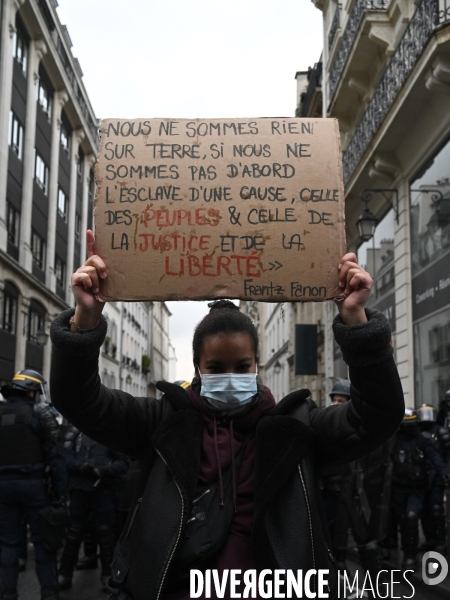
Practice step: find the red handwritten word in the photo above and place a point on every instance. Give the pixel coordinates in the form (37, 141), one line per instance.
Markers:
(213, 266)
(173, 241)
(169, 218)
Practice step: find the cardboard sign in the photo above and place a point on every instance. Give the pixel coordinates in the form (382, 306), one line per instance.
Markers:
(228, 208)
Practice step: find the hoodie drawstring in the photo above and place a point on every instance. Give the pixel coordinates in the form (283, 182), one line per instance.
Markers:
(219, 464)
(233, 466)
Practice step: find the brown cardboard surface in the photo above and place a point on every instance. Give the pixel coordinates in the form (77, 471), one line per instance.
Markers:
(220, 208)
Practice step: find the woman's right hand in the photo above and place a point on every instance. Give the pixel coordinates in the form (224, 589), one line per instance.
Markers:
(86, 284)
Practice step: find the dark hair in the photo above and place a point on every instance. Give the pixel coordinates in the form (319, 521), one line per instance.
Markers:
(224, 317)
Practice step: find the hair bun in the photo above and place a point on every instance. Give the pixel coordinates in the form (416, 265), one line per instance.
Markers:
(222, 305)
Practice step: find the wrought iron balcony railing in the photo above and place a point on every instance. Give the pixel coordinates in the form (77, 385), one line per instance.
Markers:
(351, 29)
(428, 15)
(335, 25)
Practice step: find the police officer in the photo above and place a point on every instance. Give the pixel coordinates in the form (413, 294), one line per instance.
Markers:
(28, 443)
(93, 475)
(358, 487)
(433, 517)
(411, 454)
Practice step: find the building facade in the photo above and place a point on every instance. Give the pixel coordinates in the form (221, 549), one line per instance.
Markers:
(48, 148)
(159, 346)
(137, 351)
(386, 78)
(48, 145)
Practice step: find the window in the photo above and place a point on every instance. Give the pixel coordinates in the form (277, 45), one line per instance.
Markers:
(62, 204)
(41, 173)
(80, 166)
(65, 138)
(20, 46)
(430, 213)
(8, 308)
(77, 226)
(44, 96)
(38, 250)
(15, 134)
(36, 320)
(60, 271)
(432, 356)
(13, 222)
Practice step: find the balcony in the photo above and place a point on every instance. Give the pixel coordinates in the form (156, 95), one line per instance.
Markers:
(359, 10)
(429, 15)
(335, 26)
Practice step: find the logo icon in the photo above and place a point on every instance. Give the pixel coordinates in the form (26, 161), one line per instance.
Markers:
(434, 568)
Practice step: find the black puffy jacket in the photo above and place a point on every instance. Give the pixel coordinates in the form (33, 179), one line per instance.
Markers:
(292, 441)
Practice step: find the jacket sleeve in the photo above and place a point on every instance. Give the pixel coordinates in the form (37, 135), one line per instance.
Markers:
(376, 409)
(436, 460)
(111, 417)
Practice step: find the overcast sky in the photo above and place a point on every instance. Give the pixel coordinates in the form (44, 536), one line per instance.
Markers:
(188, 59)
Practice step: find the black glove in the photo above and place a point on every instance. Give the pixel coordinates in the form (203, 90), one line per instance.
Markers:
(86, 468)
(101, 472)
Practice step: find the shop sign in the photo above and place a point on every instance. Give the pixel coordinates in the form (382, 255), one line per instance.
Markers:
(431, 289)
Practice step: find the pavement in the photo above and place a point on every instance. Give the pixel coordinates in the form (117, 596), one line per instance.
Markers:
(86, 584)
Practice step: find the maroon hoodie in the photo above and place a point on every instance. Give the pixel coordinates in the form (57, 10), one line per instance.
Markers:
(220, 439)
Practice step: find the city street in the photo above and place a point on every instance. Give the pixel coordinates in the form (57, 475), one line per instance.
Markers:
(86, 584)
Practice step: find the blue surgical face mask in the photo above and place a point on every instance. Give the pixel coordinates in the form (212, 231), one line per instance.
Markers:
(229, 390)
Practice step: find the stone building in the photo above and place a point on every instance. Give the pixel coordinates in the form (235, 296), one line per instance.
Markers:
(386, 77)
(48, 144)
(48, 148)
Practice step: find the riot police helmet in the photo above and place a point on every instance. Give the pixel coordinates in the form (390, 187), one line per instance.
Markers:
(24, 381)
(426, 413)
(410, 415)
(341, 388)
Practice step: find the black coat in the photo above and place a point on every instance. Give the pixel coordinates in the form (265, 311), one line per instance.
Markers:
(292, 440)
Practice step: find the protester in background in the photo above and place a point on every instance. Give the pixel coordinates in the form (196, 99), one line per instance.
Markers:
(225, 441)
(94, 471)
(28, 443)
(340, 394)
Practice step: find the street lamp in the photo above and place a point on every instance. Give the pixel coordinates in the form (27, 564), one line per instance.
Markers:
(128, 380)
(277, 368)
(42, 337)
(367, 222)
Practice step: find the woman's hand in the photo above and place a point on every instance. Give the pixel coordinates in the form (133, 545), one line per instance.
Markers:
(355, 284)
(85, 285)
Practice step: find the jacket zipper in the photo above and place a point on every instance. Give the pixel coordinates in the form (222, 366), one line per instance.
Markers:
(179, 529)
(201, 495)
(309, 518)
(139, 500)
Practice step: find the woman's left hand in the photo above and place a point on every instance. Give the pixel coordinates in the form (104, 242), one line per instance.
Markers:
(355, 284)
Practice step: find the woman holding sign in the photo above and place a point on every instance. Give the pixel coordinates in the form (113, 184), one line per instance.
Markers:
(229, 478)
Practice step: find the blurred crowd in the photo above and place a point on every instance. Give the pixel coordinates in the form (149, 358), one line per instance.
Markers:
(70, 495)
(398, 496)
